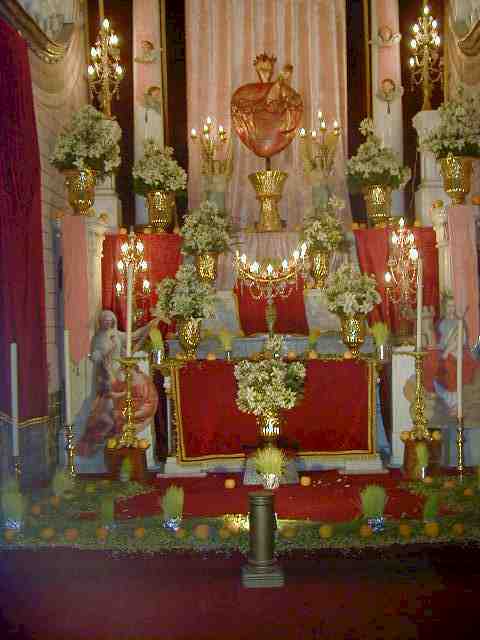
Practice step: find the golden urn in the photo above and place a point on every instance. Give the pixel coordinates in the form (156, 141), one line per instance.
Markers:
(378, 200)
(80, 185)
(457, 177)
(268, 186)
(353, 330)
(161, 208)
(269, 424)
(207, 266)
(319, 267)
(189, 336)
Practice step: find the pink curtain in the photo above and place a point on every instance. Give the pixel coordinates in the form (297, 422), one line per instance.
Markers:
(223, 39)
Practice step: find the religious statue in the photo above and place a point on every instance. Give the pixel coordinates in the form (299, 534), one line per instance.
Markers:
(106, 418)
(266, 114)
(148, 53)
(153, 112)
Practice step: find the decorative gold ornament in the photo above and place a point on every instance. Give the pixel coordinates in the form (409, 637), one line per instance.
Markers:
(207, 266)
(80, 184)
(70, 449)
(318, 149)
(269, 424)
(215, 149)
(460, 442)
(353, 330)
(268, 186)
(426, 66)
(420, 421)
(104, 70)
(189, 336)
(161, 208)
(378, 200)
(320, 265)
(457, 177)
(129, 434)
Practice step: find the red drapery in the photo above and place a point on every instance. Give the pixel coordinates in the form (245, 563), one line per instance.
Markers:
(22, 292)
(373, 252)
(330, 419)
(162, 253)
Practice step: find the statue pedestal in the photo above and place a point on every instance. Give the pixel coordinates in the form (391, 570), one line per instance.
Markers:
(431, 185)
(107, 202)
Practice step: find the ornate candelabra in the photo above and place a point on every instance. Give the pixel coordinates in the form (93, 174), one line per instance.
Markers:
(420, 421)
(215, 149)
(269, 280)
(318, 148)
(70, 449)
(401, 277)
(129, 435)
(425, 64)
(133, 253)
(104, 70)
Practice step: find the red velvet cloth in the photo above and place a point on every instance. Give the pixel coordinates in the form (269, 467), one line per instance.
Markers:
(162, 253)
(329, 419)
(22, 292)
(291, 316)
(373, 252)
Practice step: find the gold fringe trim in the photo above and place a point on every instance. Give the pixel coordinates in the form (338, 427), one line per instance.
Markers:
(24, 423)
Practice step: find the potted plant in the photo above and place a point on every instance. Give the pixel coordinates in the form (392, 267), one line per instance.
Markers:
(157, 176)
(376, 170)
(270, 464)
(86, 150)
(351, 295)
(265, 388)
(172, 507)
(206, 233)
(381, 335)
(455, 142)
(374, 499)
(187, 300)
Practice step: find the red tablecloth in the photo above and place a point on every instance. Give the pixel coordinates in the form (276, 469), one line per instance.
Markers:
(336, 415)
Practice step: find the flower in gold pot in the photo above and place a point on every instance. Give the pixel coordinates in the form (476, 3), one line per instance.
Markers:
(189, 336)
(457, 177)
(80, 185)
(353, 330)
(161, 210)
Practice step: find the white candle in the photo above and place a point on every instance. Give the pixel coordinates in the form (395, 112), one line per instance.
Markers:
(460, 369)
(68, 386)
(129, 308)
(14, 392)
(419, 303)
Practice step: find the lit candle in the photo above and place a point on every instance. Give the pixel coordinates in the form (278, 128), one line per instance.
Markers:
(460, 369)
(129, 308)
(419, 303)
(14, 392)
(193, 134)
(68, 386)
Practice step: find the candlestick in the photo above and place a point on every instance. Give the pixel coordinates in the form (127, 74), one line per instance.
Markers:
(14, 392)
(460, 369)
(419, 303)
(129, 308)
(68, 387)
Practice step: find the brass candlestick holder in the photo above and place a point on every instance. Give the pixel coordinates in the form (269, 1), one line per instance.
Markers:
(426, 66)
(460, 440)
(70, 449)
(420, 421)
(215, 149)
(129, 436)
(318, 149)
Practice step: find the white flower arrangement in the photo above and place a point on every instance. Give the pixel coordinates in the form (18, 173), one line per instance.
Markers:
(184, 296)
(157, 170)
(206, 229)
(268, 385)
(374, 163)
(324, 232)
(89, 141)
(349, 292)
(459, 129)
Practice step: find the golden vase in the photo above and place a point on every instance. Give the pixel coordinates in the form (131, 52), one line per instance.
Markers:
(207, 266)
(268, 186)
(269, 426)
(378, 200)
(189, 336)
(457, 177)
(319, 267)
(80, 185)
(353, 329)
(161, 207)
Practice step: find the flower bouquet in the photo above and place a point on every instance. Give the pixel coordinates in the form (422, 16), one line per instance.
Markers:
(157, 170)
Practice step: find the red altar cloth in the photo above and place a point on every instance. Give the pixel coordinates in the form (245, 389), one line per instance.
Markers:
(162, 252)
(336, 415)
(373, 252)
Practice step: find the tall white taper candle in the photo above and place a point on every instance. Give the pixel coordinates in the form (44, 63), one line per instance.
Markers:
(419, 303)
(460, 369)
(129, 308)
(68, 384)
(14, 392)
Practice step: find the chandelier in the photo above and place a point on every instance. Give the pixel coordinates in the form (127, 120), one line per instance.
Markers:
(426, 66)
(215, 149)
(104, 70)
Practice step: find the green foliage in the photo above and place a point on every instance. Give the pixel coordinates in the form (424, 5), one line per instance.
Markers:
(107, 510)
(312, 338)
(125, 470)
(13, 502)
(421, 451)
(430, 508)
(270, 460)
(380, 332)
(373, 499)
(172, 502)
(62, 482)
(156, 338)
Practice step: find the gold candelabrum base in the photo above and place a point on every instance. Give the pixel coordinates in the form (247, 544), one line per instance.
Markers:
(129, 435)
(271, 316)
(460, 441)
(420, 421)
(70, 449)
(269, 424)
(268, 185)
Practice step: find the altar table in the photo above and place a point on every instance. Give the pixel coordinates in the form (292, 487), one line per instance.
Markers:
(335, 417)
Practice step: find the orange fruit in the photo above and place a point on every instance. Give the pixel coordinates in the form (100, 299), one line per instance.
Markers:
(139, 533)
(181, 533)
(47, 534)
(202, 531)
(468, 492)
(71, 534)
(9, 535)
(230, 483)
(36, 510)
(143, 444)
(404, 436)
(224, 533)
(458, 529)
(55, 501)
(449, 484)
(366, 531)
(405, 530)
(305, 481)
(428, 480)
(312, 355)
(431, 529)
(325, 531)
(288, 531)
(348, 355)
(102, 534)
